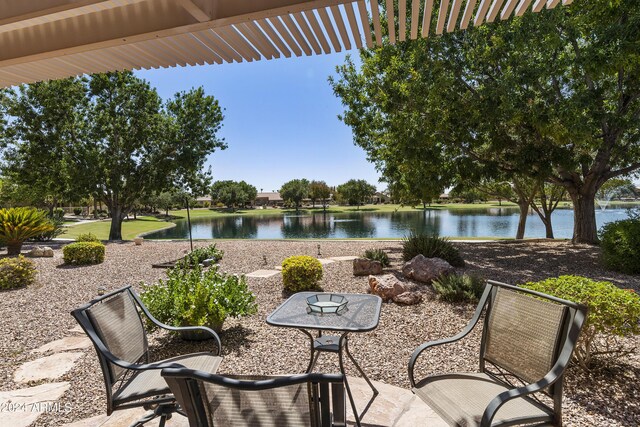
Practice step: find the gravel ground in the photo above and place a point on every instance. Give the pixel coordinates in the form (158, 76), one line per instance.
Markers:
(37, 315)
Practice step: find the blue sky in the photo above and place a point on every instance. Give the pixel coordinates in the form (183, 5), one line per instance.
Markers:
(280, 120)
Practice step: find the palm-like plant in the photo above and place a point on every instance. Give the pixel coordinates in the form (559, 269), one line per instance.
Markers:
(20, 224)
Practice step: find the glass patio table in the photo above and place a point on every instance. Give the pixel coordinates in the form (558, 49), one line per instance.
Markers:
(362, 315)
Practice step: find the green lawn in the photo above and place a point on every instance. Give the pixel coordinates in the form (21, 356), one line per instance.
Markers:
(130, 229)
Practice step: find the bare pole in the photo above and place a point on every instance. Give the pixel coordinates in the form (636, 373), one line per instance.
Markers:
(186, 199)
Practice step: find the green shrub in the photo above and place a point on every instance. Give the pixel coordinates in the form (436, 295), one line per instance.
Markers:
(431, 247)
(20, 224)
(83, 253)
(77, 211)
(198, 255)
(197, 297)
(87, 237)
(16, 272)
(58, 213)
(377, 255)
(56, 230)
(613, 312)
(301, 273)
(620, 242)
(459, 288)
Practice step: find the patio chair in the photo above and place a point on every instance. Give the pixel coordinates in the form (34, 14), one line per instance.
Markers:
(527, 342)
(315, 400)
(116, 329)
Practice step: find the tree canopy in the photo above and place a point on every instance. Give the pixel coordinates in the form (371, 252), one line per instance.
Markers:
(233, 193)
(319, 190)
(554, 96)
(356, 191)
(295, 191)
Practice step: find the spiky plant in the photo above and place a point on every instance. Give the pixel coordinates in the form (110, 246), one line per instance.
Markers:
(20, 224)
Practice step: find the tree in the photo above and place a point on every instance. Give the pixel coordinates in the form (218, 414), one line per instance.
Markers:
(233, 193)
(319, 190)
(356, 191)
(553, 97)
(295, 191)
(615, 188)
(140, 147)
(44, 141)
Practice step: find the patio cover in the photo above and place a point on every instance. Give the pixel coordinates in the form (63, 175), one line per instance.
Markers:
(51, 39)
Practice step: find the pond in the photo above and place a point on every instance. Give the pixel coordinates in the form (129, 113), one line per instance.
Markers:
(491, 222)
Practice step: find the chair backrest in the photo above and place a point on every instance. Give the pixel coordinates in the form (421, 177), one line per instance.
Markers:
(299, 400)
(525, 331)
(113, 322)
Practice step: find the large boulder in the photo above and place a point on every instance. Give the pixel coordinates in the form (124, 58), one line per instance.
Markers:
(387, 286)
(424, 270)
(408, 298)
(40, 251)
(366, 267)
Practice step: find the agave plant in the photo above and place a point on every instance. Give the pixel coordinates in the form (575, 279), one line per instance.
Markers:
(20, 224)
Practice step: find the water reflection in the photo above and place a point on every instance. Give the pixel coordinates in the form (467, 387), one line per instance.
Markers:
(492, 222)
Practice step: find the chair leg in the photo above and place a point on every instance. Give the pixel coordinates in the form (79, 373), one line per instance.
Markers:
(163, 412)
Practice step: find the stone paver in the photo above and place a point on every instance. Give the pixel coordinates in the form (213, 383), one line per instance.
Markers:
(22, 407)
(343, 258)
(65, 344)
(76, 330)
(324, 261)
(393, 407)
(263, 273)
(50, 367)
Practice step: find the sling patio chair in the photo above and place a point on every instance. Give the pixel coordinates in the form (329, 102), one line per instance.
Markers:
(116, 329)
(527, 341)
(315, 400)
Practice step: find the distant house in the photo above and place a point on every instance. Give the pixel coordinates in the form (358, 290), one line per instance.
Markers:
(379, 198)
(203, 201)
(269, 199)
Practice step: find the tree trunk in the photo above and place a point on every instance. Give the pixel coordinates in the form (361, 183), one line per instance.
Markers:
(424, 206)
(522, 222)
(14, 248)
(115, 232)
(584, 217)
(548, 228)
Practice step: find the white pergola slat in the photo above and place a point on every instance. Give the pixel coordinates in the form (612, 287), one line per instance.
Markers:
(49, 39)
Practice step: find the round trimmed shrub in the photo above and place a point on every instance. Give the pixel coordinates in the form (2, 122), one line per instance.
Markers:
(620, 243)
(612, 312)
(77, 211)
(83, 253)
(16, 272)
(301, 273)
(87, 237)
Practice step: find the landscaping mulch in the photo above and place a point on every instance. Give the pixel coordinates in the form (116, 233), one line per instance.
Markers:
(39, 314)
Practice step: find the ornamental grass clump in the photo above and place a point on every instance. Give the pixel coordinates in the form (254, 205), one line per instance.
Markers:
(612, 313)
(431, 246)
(459, 288)
(83, 253)
(198, 255)
(16, 272)
(377, 255)
(199, 297)
(20, 224)
(301, 273)
(620, 243)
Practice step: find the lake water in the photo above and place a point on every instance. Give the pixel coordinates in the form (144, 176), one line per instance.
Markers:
(491, 222)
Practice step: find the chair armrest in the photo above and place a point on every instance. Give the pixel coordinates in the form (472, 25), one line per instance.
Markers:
(467, 329)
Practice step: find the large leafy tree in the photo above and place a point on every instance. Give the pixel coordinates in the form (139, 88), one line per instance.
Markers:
(295, 191)
(140, 148)
(233, 193)
(44, 139)
(554, 96)
(356, 191)
(319, 190)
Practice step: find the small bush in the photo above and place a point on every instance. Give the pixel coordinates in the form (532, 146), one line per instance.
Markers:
(87, 237)
(613, 312)
(16, 272)
(57, 229)
(58, 213)
(459, 288)
(301, 273)
(377, 255)
(198, 255)
(83, 253)
(197, 297)
(20, 224)
(431, 247)
(620, 242)
(77, 211)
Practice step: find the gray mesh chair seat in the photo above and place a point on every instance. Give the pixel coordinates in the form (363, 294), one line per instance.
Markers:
(527, 341)
(307, 400)
(147, 383)
(114, 324)
(461, 399)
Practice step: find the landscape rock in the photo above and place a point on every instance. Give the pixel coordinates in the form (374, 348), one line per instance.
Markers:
(366, 267)
(424, 270)
(387, 286)
(50, 367)
(65, 344)
(22, 407)
(408, 298)
(40, 251)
